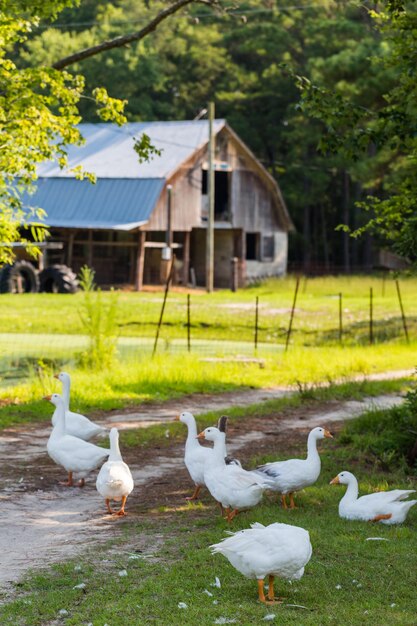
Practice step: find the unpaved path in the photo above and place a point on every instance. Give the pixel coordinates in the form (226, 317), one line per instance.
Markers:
(43, 522)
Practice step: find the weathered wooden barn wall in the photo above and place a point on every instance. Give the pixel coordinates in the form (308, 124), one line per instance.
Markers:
(186, 199)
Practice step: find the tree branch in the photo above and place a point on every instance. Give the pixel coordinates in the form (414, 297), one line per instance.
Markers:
(120, 41)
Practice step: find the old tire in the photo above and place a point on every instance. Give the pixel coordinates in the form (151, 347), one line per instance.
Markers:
(58, 279)
(20, 277)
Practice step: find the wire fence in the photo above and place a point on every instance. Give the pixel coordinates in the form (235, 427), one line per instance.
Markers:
(243, 326)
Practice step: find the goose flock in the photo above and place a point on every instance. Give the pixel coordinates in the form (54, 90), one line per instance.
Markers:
(278, 550)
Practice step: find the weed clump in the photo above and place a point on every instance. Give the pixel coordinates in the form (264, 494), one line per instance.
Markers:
(99, 322)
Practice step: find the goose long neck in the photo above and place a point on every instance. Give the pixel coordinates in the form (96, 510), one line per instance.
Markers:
(66, 386)
(59, 428)
(192, 440)
(352, 490)
(219, 450)
(115, 454)
(312, 453)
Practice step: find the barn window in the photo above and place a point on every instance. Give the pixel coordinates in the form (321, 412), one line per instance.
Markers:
(252, 246)
(221, 193)
(268, 248)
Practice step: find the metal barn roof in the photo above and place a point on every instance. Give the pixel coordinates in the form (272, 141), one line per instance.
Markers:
(108, 150)
(119, 204)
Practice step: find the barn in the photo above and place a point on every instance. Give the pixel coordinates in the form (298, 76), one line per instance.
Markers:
(121, 224)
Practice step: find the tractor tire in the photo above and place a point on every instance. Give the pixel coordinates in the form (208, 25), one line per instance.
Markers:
(58, 279)
(19, 277)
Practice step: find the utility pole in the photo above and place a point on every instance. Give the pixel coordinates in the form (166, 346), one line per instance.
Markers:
(210, 189)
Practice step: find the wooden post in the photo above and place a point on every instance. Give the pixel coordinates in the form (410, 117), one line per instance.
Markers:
(371, 315)
(402, 311)
(186, 258)
(140, 261)
(70, 249)
(189, 322)
(256, 323)
(168, 237)
(234, 273)
(167, 285)
(340, 318)
(90, 249)
(292, 314)
(210, 189)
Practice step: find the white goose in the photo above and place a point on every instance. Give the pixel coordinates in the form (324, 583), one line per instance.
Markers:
(387, 507)
(114, 480)
(232, 486)
(295, 474)
(76, 424)
(275, 550)
(73, 454)
(196, 455)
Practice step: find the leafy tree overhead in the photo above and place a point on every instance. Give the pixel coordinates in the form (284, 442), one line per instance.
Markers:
(38, 118)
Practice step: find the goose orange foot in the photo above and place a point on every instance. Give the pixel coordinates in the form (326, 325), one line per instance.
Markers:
(380, 517)
(122, 508)
(292, 503)
(69, 482)
(270, 598)
(195, 494)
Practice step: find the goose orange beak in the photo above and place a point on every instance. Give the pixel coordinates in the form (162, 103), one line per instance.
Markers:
(56, 376)
(328, 434)
(47, 398)
(335, 481)
(177, 418)
(201, 436)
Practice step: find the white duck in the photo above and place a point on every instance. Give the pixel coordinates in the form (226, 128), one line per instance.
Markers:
(387, 507)
(76, 424)
(295, 474)
(114, 480)
(196, 455)
(73, 454)
(275, 550)
(232, 486)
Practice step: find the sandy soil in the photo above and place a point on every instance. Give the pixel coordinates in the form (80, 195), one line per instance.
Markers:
(40, 517)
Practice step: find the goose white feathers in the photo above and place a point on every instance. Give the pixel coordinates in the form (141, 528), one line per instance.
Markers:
(276, 550)
(231, 485)
(114, 480)
(196, 455)
(387, 507)
(73, 454)
(295, 474)
(76, 424)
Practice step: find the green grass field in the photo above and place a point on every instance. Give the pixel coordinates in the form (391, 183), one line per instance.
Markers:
(224, 315)
(41, 333)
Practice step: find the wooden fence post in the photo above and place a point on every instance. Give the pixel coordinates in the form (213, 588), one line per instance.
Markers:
(167, 285)
(292, 314)
(371, 316)
(188, 322)
(340, 318)
(402, 311)
(256, 323)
